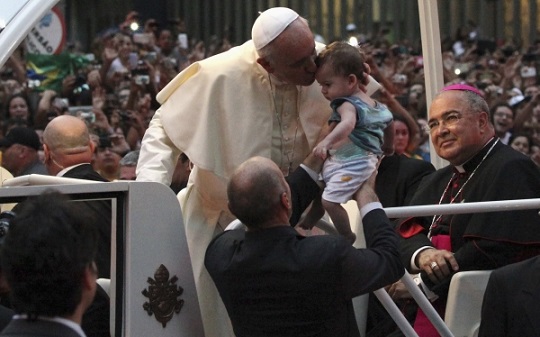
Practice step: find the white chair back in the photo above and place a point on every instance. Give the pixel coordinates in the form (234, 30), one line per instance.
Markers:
(464, 305)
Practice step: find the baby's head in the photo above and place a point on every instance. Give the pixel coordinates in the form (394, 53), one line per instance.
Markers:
(344, 60)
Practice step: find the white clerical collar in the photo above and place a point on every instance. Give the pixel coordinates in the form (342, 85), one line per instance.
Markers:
(460, 168)
(56, 319)
(64, 171)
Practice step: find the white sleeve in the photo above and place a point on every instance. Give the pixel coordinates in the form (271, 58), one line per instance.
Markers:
(158, 155)
(369, 207)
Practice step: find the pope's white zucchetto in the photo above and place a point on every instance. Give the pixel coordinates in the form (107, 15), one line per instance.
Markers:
(270, 24)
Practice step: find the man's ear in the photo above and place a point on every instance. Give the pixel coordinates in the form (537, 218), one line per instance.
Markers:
(285, 200)
(265, 64)
(90, 276)
(483, 120)
(46, 153)
(92, 146)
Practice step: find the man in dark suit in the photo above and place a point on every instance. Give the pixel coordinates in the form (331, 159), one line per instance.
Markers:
(68, 152)
(275, 282)
(511, 305)
(48, 262)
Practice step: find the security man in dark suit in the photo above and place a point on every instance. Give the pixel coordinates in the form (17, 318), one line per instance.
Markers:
(275, 282)
(68, 152)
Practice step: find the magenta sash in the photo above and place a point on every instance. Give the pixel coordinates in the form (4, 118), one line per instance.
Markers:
(422, 325)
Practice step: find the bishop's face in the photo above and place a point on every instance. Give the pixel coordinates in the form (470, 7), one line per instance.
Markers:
(457, 133)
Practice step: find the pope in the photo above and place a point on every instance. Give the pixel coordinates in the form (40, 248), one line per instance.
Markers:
(257, 99)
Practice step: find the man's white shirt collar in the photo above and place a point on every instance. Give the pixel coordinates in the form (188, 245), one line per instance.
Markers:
(60, 320)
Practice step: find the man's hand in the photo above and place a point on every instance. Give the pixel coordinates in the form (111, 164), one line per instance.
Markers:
(313, 163)
(438, 264)
(398, 291)
(366, 192)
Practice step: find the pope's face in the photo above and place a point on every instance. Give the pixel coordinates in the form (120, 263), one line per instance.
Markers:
(458, 135)
(297, 66)
(293, 59)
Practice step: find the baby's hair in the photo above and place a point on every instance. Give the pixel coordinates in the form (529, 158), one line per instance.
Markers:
(345, 60)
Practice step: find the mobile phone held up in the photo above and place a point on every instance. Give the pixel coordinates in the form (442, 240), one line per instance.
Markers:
(140, 73)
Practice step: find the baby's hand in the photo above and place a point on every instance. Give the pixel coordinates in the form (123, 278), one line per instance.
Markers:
(320, 151)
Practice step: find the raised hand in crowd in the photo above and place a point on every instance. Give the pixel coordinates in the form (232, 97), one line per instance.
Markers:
(68, 84)
(93, 78)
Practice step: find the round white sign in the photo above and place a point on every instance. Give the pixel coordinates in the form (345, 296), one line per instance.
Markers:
(49, 35)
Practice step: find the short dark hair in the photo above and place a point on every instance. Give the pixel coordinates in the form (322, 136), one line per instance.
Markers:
(50, 243)
(344, 59)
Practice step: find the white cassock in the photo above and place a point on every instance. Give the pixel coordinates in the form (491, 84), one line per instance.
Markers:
(220, 112)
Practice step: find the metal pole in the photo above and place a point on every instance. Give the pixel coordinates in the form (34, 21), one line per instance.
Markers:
(462, 208)
(431, 51)
(426, 306)
(394, 311)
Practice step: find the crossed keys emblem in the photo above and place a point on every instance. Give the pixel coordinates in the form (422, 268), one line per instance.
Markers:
(162, 295)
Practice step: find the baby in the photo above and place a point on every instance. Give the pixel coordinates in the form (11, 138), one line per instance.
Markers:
(361, 131)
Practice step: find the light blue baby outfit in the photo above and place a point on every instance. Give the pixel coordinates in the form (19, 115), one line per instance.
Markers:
(353, 163)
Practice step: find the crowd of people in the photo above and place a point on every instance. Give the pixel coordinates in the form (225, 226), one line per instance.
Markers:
(134, 118)
(116, 92)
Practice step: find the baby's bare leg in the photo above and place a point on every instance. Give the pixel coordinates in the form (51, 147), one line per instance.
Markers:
(340, 218)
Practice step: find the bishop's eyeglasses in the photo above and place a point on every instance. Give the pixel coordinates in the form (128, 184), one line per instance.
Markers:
(447, 120)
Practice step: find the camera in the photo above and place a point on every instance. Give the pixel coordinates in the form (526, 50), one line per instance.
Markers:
(527, 72)
(83, 112)
(80, 84)
(142, 79)
(142, 38)
(151, 56)
(399, 79)
(33, 84)
(140, 73)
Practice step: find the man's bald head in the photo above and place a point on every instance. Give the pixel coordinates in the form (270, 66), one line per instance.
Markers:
(66, 133)
(67, 139)
(259, 195)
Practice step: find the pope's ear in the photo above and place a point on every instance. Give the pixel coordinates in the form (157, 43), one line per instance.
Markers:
(265, 64)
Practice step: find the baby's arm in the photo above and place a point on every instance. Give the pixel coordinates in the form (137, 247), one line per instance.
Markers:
(388, 140)
(340, 132)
